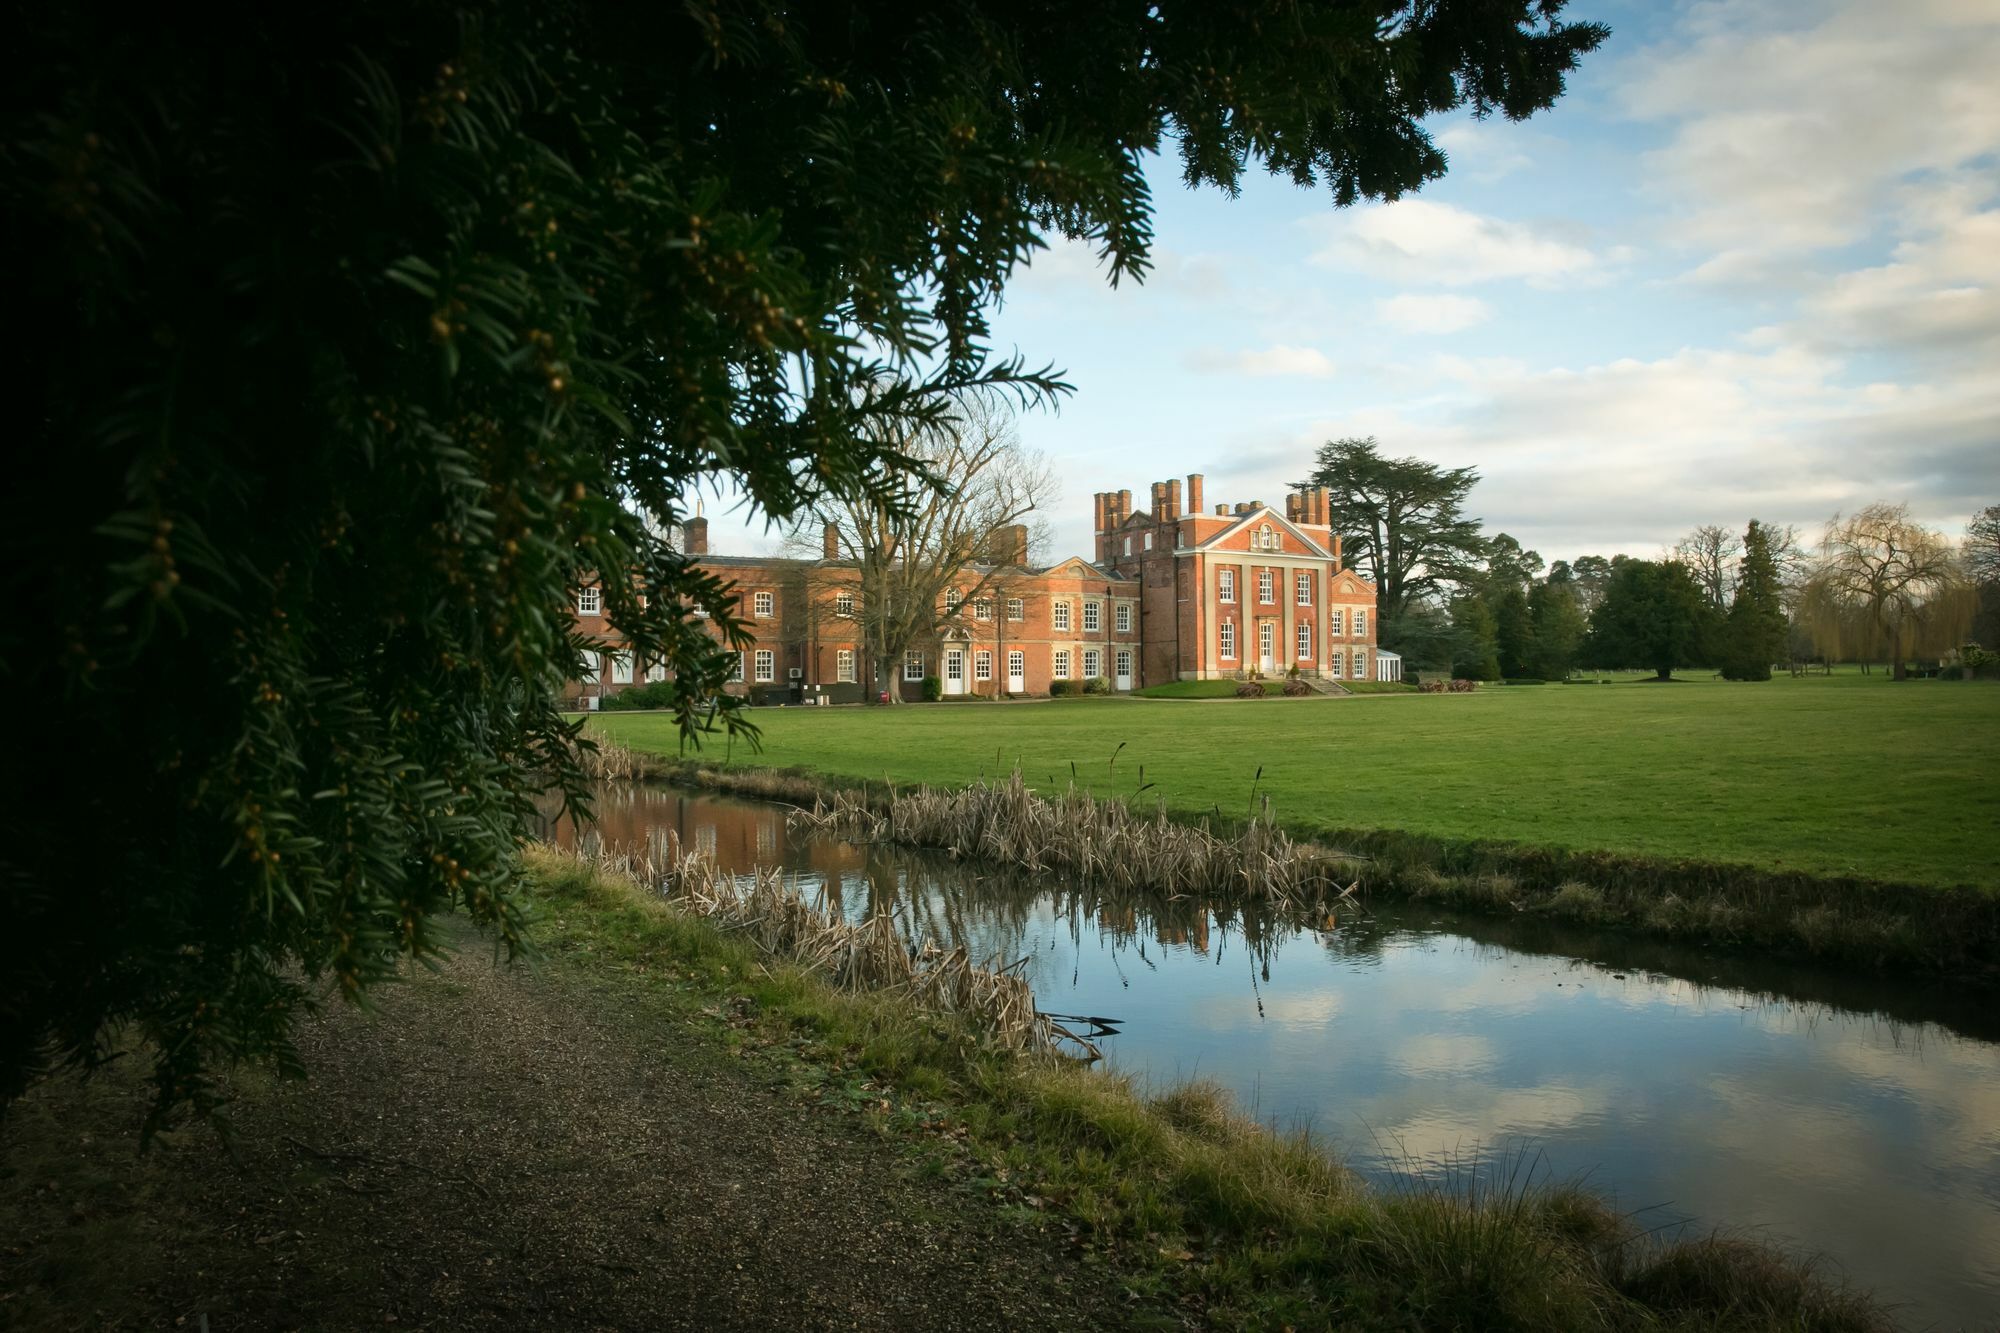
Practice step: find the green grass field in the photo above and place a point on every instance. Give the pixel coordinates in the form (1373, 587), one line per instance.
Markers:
(1847, 775)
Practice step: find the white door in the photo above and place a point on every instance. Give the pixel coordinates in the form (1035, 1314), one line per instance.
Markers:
(1124, 668)
(954, 671)
(1266, 635)
(1017, 673)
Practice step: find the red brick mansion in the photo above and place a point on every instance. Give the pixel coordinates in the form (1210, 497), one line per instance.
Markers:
(1171, 593)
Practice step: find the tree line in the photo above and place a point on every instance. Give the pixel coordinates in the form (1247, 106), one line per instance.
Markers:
(1876, 586)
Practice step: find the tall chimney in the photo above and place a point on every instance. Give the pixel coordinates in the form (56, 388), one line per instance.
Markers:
(829, 542)
(1124, 505)
(1018, 543)
(1325, 507)
(1336, 552)
(1101, 508)
(1294, 502)
(1194, 493)
(694, 535)
(1174, 498)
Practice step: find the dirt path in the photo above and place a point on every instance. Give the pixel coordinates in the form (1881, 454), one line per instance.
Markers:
(500, 1149)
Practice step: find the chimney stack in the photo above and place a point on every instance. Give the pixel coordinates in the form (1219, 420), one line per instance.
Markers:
(1221, 509)
(1336, 553)
(1174, 498)
(1194, 505)
(1017, 544)
(694, 535)
(1325, 507)
(1294, 505)
(829, 542)
(1102, 507)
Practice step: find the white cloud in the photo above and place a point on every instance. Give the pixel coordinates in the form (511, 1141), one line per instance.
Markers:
(1278, 359)
(1418, 312)
(1938, 296)
(1417, 240)
(1485, 151)
(1789, 122)
(1627, 454)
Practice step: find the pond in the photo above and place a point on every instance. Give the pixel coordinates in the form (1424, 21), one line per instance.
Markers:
(1847, 1116)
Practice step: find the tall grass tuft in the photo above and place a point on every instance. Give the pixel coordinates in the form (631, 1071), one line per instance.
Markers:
(1095, 840)
(872, 956)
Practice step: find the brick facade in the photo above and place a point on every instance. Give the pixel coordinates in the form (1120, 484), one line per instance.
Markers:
(1170, 595)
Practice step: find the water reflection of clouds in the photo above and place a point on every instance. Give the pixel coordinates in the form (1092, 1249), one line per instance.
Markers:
(1876, 1140)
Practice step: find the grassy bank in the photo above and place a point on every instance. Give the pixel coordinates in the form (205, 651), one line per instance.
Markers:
(1186, 1201)
(1594, 829)
(1845, 777)
(660, 1124)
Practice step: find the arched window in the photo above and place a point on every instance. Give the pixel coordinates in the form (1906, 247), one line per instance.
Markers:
(1266, 539)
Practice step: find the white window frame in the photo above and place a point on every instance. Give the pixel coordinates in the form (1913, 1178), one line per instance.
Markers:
(1360, 623)
(1302, 589)
(656, 670)
(763, 605)
(1360, 661)
(1128, 546)
(1267, 588)
(590, 601)
(1017, 665)
(843, 666)
(767, 665)
(1059, 665)
(1059, 616)
(736, 667)
(621, 668)
(1123, 617)
(1122, 663)
(1225, 586)
(1016, 609)
(843, 605)
(982, 664)
(1336, 662)
(913, 664)
(982, 608)
(1229, 641)
(1093, 617)
(1336, 620)
(1093, 662)
(1149, 541)
(1304, 644)
(953, 599)
(592, 670)
(1267, 642)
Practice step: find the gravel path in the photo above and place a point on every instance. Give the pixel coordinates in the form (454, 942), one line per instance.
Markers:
(505, 1149)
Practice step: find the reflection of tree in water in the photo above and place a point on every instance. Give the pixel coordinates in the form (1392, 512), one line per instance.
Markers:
(997, 914)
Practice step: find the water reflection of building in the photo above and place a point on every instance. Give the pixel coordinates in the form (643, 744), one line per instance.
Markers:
(1192, 934)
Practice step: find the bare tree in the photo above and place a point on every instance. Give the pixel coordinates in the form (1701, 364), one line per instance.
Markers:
(927, 559)
(1710, 554)
(1982, 546)
(1884, 582)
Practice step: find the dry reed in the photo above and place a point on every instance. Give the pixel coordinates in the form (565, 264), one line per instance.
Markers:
(997, 1003)
(1095, 840)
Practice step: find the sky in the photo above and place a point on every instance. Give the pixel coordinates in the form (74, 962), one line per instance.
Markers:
(1748, 266)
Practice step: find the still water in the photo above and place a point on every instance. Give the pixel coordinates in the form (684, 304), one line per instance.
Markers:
(1837, 1115)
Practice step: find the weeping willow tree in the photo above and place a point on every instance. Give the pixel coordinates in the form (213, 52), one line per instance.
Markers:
(1886, 588)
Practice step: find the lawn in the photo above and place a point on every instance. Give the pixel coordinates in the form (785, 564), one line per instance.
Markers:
(1846, 776)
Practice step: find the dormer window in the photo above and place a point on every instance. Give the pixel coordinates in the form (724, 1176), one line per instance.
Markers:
(1268, 540)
